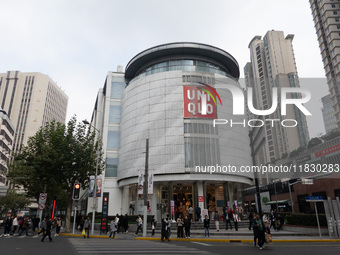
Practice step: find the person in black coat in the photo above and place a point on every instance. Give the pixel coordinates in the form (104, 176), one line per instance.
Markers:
(206, 224)
(48, 230)
(198, 213)
(187, 225)
(165, 232)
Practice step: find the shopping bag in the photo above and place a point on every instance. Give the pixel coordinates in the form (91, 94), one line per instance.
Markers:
(268, 238)
(83, 233)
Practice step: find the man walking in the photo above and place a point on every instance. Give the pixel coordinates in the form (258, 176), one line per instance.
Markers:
(236, 218)
(217, 220)
(198, 213)
(228, 220)
(48, 230)
(25, 226)
(187, 225)
(206, 224)
(139, 224)
(87, 226)
(113, 229)
(43, 226)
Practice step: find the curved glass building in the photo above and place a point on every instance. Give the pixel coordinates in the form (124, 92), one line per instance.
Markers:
(173, 94)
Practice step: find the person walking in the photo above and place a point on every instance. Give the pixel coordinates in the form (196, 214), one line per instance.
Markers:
(15, 225)
(35, 223)
(191, 212)
(206, 224)
(266, 222)
(126, 223)
(48, 230)
(236, 218)
(251, 218)
(198, 213)
(168, 222)
(113, 228)
(81, 223)
(118, 221)
(228, 220)
(180, 227)
(258, 227)
(58, 226)
(217, 220)
(54, 226)
(187, 225)
(43, 226)
(8, 226)
(87, 225)
(165, 230)
(139, 224)
(153, 225)
(272, 218)
(25, 226)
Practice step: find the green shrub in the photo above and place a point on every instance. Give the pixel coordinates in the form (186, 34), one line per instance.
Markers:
(304, 219)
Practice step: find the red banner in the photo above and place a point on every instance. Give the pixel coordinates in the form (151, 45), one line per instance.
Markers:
(193, 105)
(329, 150)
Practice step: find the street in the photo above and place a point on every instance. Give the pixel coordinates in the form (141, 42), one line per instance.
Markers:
(76, 246)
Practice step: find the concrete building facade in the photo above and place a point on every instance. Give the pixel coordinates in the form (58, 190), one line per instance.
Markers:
(273, 66)
(162, 102)
(326, 17)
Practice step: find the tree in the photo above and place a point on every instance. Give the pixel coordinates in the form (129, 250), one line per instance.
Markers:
(314, 142)
(13, 201)
(55, 158)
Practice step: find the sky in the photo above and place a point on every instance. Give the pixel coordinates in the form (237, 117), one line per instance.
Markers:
(77, 42)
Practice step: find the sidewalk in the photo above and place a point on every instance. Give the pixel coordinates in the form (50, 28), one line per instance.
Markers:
(241, 236)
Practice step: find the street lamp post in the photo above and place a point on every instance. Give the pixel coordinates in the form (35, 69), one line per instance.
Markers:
(94, 205)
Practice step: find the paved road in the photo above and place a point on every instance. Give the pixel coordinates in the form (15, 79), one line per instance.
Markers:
(62, 245)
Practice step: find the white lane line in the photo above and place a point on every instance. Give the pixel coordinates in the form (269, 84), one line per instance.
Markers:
(205, 244)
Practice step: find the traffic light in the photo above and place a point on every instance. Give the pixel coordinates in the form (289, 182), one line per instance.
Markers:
(76, 191)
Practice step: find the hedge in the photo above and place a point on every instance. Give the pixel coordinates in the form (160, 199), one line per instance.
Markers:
(304, 219)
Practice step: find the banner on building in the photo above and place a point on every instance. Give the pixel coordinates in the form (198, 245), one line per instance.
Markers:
(150, 182)
(172, 204)
(91, 186)
(140, 182)
(99, 186)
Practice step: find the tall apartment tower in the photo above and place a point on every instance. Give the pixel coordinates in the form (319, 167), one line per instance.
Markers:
(273, 65)
(30, 100)
(328, 114)
(326, 16)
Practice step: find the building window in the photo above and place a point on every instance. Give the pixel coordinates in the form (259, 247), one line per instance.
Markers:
(117, 89)
(111, 167)
(113, 140)
(114, 115)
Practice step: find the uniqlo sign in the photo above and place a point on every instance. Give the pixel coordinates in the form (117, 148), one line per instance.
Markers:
(193, 107)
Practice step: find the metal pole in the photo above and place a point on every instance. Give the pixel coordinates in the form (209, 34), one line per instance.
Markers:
(291, 197)
(317, 218)
(258, 196)
(94, 206)
(277, 207)
(74, 218)
(145, 188)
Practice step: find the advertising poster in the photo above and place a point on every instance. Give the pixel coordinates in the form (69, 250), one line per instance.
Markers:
(91, 186)
(99, 187)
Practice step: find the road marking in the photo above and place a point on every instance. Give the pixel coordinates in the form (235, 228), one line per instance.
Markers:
(205, 244)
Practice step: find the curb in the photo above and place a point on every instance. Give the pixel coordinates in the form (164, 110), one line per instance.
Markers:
(240, 240)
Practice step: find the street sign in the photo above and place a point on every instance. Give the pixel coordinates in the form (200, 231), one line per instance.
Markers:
(314, 199)
(307, 181)
(41, 206)
(42, 198)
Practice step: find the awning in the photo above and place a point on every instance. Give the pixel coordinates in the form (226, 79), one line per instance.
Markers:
(278, 201)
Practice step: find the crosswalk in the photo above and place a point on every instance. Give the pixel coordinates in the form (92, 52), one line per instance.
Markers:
(110, 246)
(22, 236)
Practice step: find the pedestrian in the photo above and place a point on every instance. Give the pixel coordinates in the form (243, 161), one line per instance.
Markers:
(15, 225)
(165, 230)
(118, 221)
(272, 218)
(251, 218)
(113, 228)
(43, 226)
(236, 219)
(206, 224)
(81, 223)
(224, 210)
(217, 220)
(8, 226)
(54, 226)
(25, 226)
(48, 230)
(126, 223)
(35, 223)
(280, 222)
(266, 222)
(187, 225)
(168, 222)
(58, 226)
(228, 219)
(191, 212)
(180, 227)
(153, 225)
(139, 224)
(198, 213)
(78, 218)
(21, 222)
(259, 226)
(87, 225)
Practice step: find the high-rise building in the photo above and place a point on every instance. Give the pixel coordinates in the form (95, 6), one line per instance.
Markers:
(159, 97)
(328, 114)
(326, 16)
(30, 100)
(6, 140)
(273, 66)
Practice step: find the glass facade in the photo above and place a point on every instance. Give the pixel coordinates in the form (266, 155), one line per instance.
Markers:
(190, 65)
(117, 89)
(114, 115)
(111, 167)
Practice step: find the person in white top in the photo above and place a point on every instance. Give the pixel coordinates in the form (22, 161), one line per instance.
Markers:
(236, 220)
(15, 225)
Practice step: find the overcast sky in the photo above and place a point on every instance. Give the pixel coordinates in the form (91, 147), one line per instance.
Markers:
(76, 42)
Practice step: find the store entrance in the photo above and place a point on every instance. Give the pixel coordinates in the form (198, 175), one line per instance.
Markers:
(182, 195)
